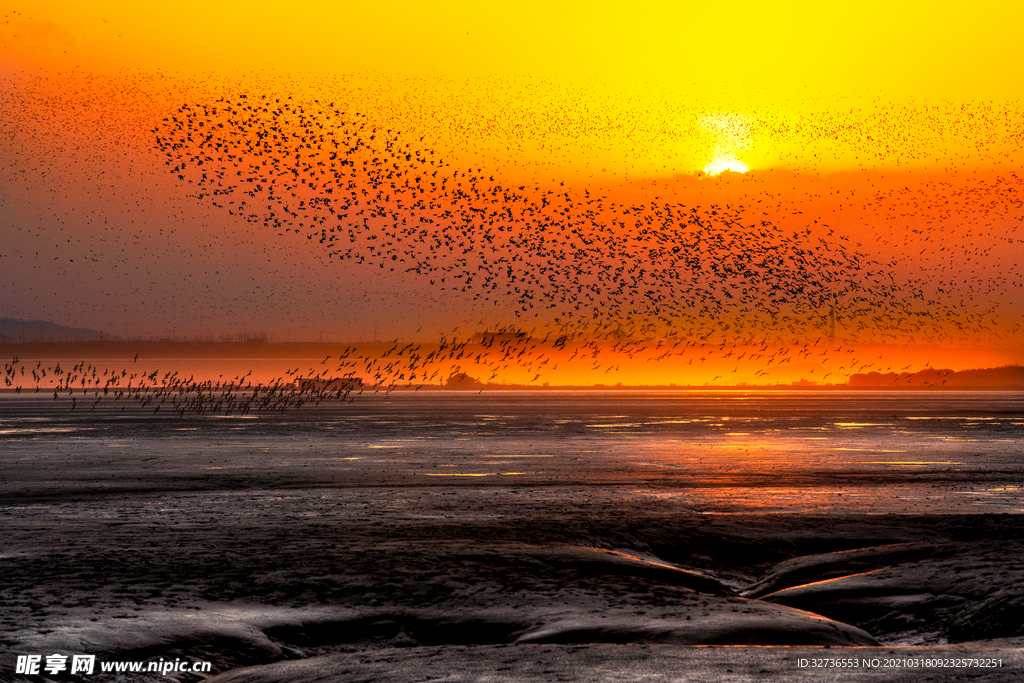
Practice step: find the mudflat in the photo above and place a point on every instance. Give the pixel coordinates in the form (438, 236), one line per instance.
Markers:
(518, 538)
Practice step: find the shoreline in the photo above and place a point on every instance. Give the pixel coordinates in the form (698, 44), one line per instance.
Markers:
(433, 388)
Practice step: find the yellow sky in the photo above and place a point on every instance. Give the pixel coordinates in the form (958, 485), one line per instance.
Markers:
(961, 50)
(896, 124)
(630, 91)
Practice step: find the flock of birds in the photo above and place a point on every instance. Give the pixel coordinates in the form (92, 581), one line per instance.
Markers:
(171, 392)
(412, 365)
(598, 271)
(364, 194)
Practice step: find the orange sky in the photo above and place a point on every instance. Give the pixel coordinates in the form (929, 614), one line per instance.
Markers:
(896, 128)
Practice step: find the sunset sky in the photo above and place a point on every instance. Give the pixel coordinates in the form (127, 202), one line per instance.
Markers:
(891, 130)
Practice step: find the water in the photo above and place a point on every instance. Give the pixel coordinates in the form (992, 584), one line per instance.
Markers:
(715, 452)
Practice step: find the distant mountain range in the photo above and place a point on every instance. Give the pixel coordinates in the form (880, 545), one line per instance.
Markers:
(15, 330)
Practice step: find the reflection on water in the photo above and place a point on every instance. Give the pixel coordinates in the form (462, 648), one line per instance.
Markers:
(709, 452)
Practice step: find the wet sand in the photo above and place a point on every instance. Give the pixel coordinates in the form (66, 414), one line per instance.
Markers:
(299, 549)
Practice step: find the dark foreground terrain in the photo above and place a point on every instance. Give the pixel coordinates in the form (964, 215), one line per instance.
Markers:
(467, 540)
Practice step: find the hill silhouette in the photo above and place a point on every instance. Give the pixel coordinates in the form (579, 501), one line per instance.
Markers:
(1005, 376)
(16, 330)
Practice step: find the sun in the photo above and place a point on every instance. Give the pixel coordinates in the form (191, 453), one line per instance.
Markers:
(725, 164)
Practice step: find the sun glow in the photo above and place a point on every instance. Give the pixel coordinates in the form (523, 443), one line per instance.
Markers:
(725, 164)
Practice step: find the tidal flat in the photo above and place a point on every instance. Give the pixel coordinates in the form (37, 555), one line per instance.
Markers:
(522, 536)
